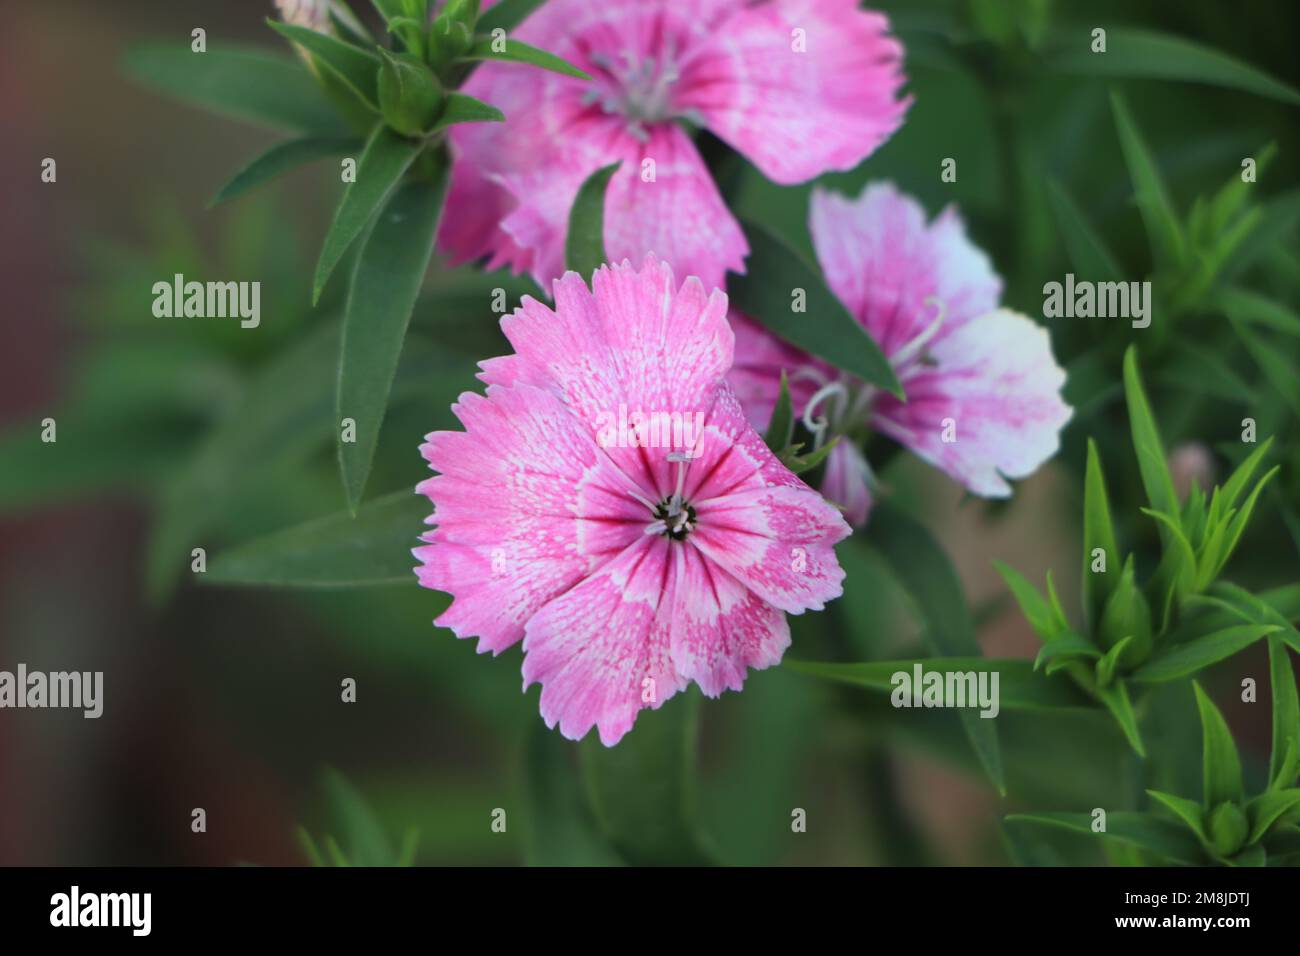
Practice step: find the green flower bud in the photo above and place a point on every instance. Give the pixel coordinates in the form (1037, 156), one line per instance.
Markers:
(1127, 613)
(410, 96)
(1228, 829)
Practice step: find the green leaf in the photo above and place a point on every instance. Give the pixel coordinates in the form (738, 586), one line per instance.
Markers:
(1152, 462)
(1220, 763)
(1275, 365)
(1163, 229)
(281, 158)
(802, 464)
(780, 430)
(927, 574)
(363, 835)
(1064, 649)
(641, 789)
(1165, 837)
(1019, 688)
(385, 283)
(774, 274)
(1116, 699)
(1265, 810)
(1088, 254)
(516, 52)
(1228, 828)
(1184, 660)
(1098, 532)
(1110, 661)
(460, 108)
(246, 83)
(1032, 604)
(1235, 486)
(561, 828)
(506, 15)
(1147, 54)
(1286, 716)
(386, 158)
(1260, 310)
(1279, 220)
(584, 247)
(338, 551)
(1189, 811)
(357, 68)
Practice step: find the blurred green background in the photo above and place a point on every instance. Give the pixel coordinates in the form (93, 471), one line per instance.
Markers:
(177, 434)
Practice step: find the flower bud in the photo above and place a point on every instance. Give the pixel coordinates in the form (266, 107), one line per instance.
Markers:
(1228, 829)
(410, 96)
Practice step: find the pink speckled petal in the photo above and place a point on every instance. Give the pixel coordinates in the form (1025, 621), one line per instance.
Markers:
(756, 373)
(845, 482)
(883, 261)
(721, 629)
(996, 379)
(795, 114)
(602, 651)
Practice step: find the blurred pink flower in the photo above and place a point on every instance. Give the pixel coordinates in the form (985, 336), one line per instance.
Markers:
(800, 87)
(983, 389)
(627, 571)
(312, 14)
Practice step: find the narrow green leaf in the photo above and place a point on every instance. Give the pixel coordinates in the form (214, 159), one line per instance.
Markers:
(1281, 214)
(1264, 811)
(506, 15)
(516, 52)
(363, 835)
(1117, 701)
(641, 789)
(1237, 527)
(774, 274)
(386, 158)
(246, 83)
(1064, 649)
(1286, 716)
(1019, 688)
(1274, 363)
(780, 429)
(1189, 811)
(1088, 254)
(1184, 660)
(802, 464)
(1220, 764)
(584, 247)
(1165, 837)
(1098, 532)
(1110, 661)
(283, 157)
(338, 551)
(1235, 486)
(357, 68)
(387, 279)
(1146, 54)
(1032, 604)
(927, 574)
(561, 829)
(1152, 462)
(1163, 229)
(1261, 310)
(460, 108)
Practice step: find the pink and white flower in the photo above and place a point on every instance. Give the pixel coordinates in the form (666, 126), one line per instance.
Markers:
(982, 388)
(627, 572)
(800, 87)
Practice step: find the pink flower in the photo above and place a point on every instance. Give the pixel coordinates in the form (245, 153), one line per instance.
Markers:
(629, 561)
(800, 87)
(983, 390)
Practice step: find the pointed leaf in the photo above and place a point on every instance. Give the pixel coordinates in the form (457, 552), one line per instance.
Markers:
(357, 68)
(1098, 532)
(1165, 837)
(460, 108)
(1189, 811)
(246, 83)
(506, 15)
(1220, 764)
(283, 157)
(781, 428)
(386, 159)
(517, 52)
(1163, 229)
(773, 274)
(1152, 462)
(1116, 699)
(385, 284)
(1184, 660)
(1286, 716)
(1088, 254)
(584, 247)
(1265, 810)
(338, 551)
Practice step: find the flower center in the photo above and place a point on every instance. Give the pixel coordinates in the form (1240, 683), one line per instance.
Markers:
(641, 90)
(674, 518)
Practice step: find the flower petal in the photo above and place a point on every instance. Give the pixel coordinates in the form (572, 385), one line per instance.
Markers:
(996, 380)
(601, 651)
(845, 482)
(797, 114)
(883, 262)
